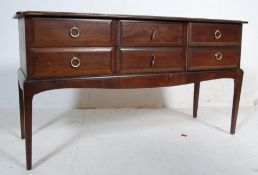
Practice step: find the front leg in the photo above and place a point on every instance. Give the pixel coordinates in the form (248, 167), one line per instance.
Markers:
(236, 99)
(196, 98)
(28, 96)
(21, 105)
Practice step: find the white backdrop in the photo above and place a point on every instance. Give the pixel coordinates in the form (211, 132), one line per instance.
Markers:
(213, 93)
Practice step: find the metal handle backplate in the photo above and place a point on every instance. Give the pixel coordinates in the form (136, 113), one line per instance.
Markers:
(75, 62)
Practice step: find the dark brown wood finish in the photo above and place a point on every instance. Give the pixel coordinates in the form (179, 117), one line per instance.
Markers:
(21, 105)
(70, 50)
(28, 96)
(140, 60)
(127, 81)
(49, 14)
(213, 58)
(196, 98)
(22, 45)
(56, 62)
(145, 33)
(214, 34)
(59, 32)
(236, 99)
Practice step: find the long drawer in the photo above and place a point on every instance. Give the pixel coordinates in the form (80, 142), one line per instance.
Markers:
(213, 58)
(215, 34)
(142, 60)
(144, 33)
(69, 62)
(61, 32)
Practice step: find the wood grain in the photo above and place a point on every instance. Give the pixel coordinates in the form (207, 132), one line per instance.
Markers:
(56, 62)
(140, 33)
(142, 60)
(56, 32)
(122, 52)
(49, 14)
(203, 34)
(204, 58)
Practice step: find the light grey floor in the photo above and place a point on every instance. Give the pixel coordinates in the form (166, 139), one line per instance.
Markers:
(131, 142)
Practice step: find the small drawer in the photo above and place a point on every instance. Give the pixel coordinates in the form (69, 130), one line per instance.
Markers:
(70, 32)
(69, 62)
(213, 58)
(141, 60)
(142, 33)
(215, 34)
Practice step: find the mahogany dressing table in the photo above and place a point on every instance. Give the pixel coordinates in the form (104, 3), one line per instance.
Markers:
(77, 50)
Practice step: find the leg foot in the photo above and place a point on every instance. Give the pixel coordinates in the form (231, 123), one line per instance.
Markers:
(196, 98)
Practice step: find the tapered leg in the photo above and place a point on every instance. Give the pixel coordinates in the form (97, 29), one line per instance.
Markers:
(21, 111)
(28, 126)
(236, 99)
(196, 98)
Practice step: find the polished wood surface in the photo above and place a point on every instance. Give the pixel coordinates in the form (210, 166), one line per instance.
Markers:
(236, 99)
(145, 33)
(21, 105)
(213, 58)
(127, 81)
(204, 34)
(196, 99)
(22, 14)
(77, 50)
(59, 32)
(56, 62)
(140, 60)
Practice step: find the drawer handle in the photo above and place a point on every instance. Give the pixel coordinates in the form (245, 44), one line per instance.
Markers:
(153, 33)
(218, 56)
(217, 34)
(75, 62)
(74, 32)
(153, 60)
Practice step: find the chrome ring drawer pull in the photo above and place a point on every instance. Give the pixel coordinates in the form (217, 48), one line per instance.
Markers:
(74, 32)
(218, 56)
(217, 34)
(153, 60)
(75, 62)
(153, 33)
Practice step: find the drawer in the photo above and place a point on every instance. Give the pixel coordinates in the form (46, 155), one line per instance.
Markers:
(142, 33)
(213, 58)
(48, 32)
(69, 62)
(215, 34)
(140, 60)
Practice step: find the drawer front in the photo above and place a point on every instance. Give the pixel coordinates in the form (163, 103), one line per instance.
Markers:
(213, 58)
(215, 34)
(70, 32)
(140, 60)
(69, 62)
(141, 33)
